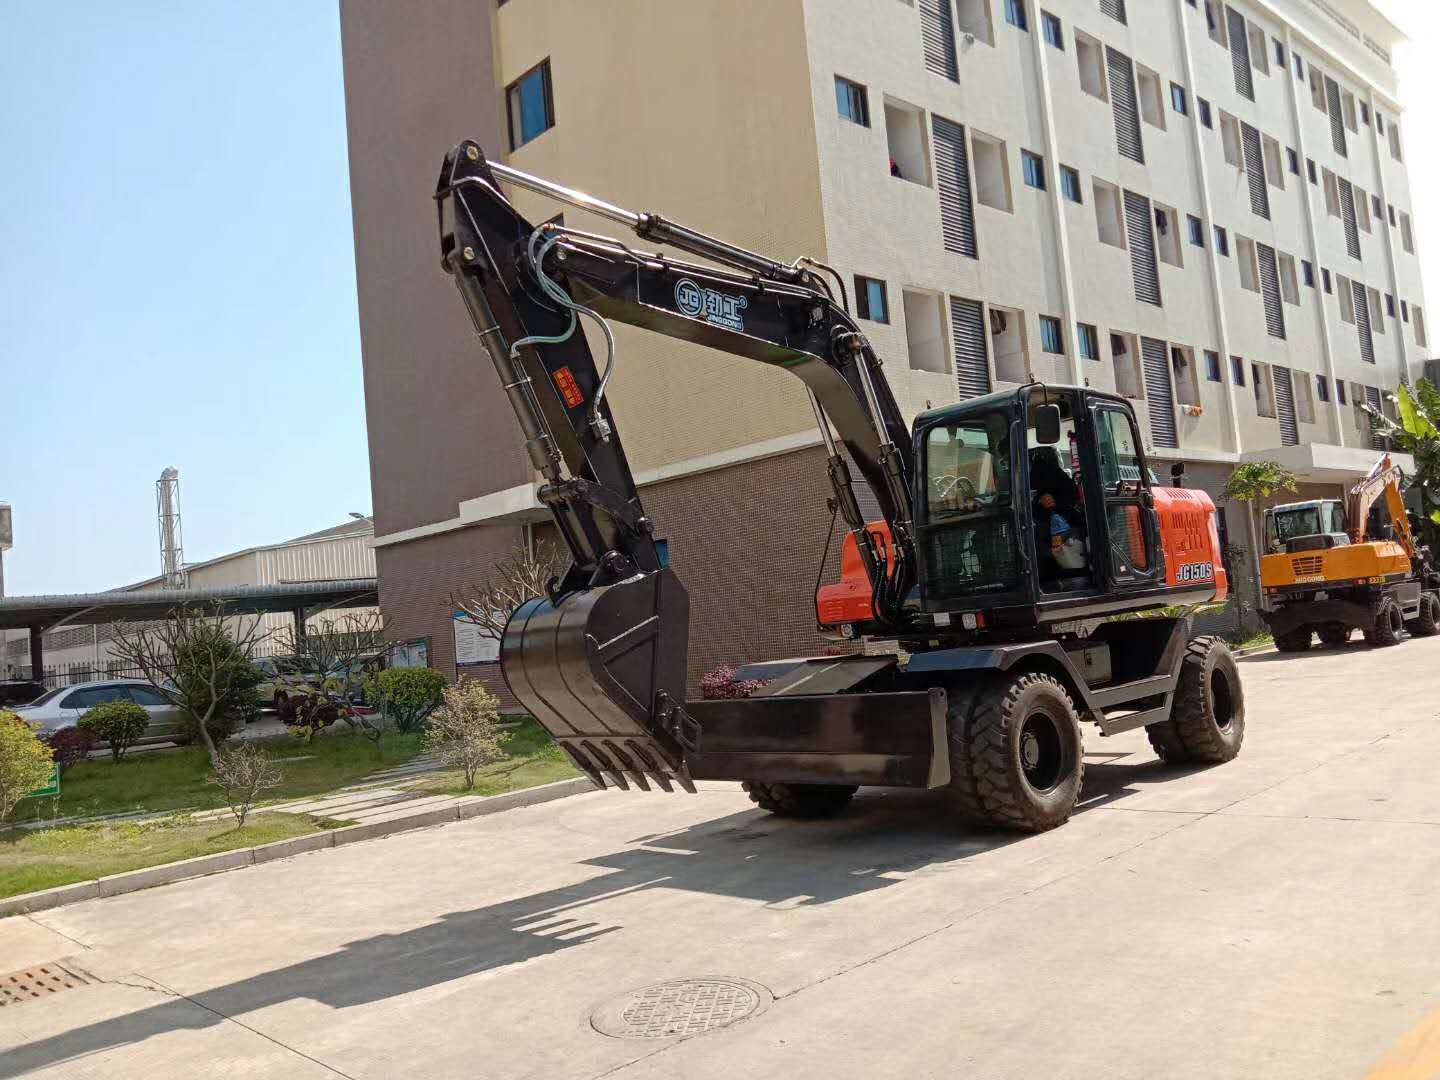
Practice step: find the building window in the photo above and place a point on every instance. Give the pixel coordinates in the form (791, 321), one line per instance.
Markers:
(1222, 241)
(1070, 184)
(1365, 114)
(1212, 365)
(1177, 99)
(1050, 25)
(1289, 288)
(1197, 230)
(1033, 167)
(1152, 96)
(1089, 341)
(1299, 65)
(924, 315)
(1109, 214)
(870, 299)
(1015, 14)
(1293, 160)
(1325, 279)
(1051, 339)
(1379, 122)
(530, 105)
(992, 171)
(1391, 208)
(1310, 170)
(1395, 141)
(1420, 338)
(1264, 389)
(1407, 238)
(1340, 391)
(853, 103)
(1167, 238)
(1248, 264)
(1307, 269)
(1237, 371)
(905, 139)
(1377, 208)
(1187, 379)
(1322, 388)
(1203, 108)
(1279, 53)
(1404, 311)
(1390, 304)
(1090, 56)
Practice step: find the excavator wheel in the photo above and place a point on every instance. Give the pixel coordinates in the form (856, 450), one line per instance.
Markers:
(800, 800)
(1297, 640)
(1333, 633)
(1427, 621)
(1388, 623)
(1015, 752)
(1207, 719)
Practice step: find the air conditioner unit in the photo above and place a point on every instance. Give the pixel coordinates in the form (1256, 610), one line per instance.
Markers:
(997, 323)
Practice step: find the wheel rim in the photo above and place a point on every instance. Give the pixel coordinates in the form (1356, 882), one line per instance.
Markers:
(1222, 702)
(1042, 752)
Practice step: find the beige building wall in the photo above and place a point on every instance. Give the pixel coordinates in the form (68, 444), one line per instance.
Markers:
(700, 111)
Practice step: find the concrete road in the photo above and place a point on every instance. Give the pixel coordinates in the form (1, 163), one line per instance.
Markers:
(1274, 917)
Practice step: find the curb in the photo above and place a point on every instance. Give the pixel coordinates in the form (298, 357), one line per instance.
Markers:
(463, 809)
(1253, 649)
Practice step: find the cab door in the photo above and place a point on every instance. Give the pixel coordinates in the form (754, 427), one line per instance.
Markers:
(1132, 554)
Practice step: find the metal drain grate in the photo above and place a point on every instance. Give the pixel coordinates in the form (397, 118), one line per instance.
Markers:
(683, 1007)
(37, 982)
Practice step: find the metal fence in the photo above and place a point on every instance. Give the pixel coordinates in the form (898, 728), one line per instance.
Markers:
(70, 674)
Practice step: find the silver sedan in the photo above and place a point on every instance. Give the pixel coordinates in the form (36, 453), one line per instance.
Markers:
(63, 706)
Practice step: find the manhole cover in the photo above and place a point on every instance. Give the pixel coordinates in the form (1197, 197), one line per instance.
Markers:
(21, 986)
(683, 1007)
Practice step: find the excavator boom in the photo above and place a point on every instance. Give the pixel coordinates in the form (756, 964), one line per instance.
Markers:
(601, 661)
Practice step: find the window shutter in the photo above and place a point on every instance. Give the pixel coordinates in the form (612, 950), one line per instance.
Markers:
(1285, 406)
(1124, 105)
(1255, 171)
(972, 364)
(1114, 8)
(1362, 321)
(937, 34)
(1240, 53)
(1372, 398)
(1337, 118)
(1347, 216)
(1158, 400)
(1141, 227)
(952, 181)
(1270, 290)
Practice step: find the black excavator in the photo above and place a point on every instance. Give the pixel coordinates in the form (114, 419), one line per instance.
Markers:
(1015, 528)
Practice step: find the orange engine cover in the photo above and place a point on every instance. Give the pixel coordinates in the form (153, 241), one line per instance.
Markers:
(1191, 538)
(850, 600)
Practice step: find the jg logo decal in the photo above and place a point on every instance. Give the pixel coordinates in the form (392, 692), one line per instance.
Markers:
(716, 308)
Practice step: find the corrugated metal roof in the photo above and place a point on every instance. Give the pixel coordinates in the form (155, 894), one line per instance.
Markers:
(83, 609)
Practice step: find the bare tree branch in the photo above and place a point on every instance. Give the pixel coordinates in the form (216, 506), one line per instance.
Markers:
(193, 659)
(339, 650)
(520, 576)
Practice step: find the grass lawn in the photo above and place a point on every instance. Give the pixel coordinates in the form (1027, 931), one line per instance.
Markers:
(176, 779)
(531, 759)
(45, 858)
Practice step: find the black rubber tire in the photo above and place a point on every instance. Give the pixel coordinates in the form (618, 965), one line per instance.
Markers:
(995, 727)
(1385, 630)
(1207, 719)
(800, 800)
(1333, 633)
(1297, 640)
(1427, 621)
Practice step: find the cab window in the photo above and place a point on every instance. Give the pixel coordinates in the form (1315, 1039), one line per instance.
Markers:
(967, 464)
(1118, 450)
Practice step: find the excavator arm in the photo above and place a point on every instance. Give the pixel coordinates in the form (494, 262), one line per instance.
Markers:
(1383, 480)
(601, 661)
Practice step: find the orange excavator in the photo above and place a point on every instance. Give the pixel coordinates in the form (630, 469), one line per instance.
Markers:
(1331, 567)
(1013, 528)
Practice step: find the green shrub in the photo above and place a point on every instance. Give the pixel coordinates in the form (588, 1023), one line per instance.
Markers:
(211, 657)
(406, 696)
(25, 761)
(464, 732)
(118, 723)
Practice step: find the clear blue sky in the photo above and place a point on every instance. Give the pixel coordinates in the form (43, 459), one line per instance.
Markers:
(177, 282)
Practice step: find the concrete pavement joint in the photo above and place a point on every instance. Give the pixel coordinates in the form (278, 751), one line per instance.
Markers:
(53, 930)
(254, 1031)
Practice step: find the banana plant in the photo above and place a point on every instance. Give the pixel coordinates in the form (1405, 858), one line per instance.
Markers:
(1416, 432)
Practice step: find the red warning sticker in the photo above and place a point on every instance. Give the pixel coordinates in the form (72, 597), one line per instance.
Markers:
(568, 387)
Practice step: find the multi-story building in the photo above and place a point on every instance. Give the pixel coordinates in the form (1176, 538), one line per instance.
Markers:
(1200, 205)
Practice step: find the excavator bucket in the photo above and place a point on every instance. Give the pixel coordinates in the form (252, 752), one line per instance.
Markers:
(603, 671)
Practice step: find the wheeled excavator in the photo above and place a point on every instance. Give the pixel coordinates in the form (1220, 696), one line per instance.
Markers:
(1006, 627)
(1330, 568)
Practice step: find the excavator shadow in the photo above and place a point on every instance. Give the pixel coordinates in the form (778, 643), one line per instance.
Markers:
(883, 839)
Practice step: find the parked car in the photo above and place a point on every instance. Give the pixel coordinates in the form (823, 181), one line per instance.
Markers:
(19, 692)
(62, 707)
(283, 676)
